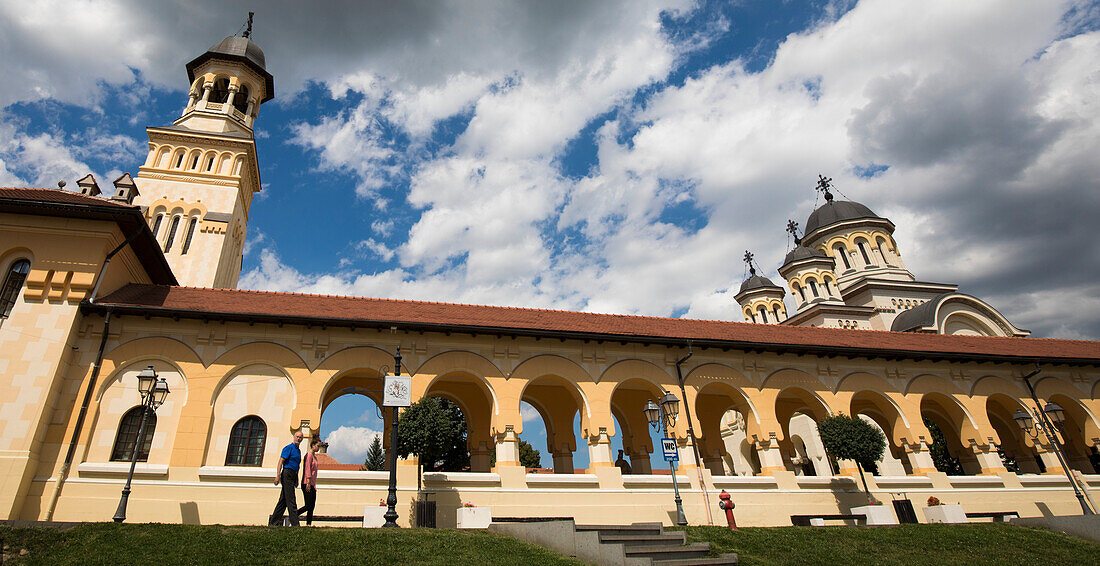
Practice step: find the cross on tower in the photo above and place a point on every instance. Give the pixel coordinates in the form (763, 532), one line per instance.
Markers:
(748, 260)
(248, 30)
(824, 184)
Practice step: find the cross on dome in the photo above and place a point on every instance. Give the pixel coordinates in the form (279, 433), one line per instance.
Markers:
(824, 184)
(748, 260)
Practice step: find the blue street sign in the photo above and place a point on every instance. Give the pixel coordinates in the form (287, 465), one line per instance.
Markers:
(669, 447)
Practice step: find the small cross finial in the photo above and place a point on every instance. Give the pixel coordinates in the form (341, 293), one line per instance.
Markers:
(248, 29)
(792, 229)
(748, 260)
(824, 184)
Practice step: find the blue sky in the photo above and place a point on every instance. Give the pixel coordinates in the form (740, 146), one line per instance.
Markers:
(604, 156)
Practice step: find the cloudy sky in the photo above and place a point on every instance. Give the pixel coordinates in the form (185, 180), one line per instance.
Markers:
(605, 156)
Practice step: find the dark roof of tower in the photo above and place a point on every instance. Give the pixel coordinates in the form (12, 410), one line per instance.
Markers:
(242, 49)
(802, 252)
(836, 211)
(756, 282)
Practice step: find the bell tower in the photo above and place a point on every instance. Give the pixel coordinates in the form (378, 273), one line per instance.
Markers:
(201, 173)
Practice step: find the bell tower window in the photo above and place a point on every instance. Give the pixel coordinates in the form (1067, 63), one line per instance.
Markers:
(190, 234)
(156, 224)
(171, 234)
(863, 251)
(220, 91)
(240, 101)
(842, 253)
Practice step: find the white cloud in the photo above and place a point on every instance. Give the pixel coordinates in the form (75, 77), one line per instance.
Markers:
(349, 444)
(528, 413)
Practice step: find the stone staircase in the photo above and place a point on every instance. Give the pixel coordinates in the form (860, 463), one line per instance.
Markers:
(640, 544)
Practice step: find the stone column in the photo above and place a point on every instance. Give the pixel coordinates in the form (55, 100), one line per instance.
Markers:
(639, 461)
(988, 458)
(205, 95)
(771, 459)
(227, 108)
(1050, 461)
(563, 460)
(601, 462)
(512, 474)
(480, 456)
(920, 457)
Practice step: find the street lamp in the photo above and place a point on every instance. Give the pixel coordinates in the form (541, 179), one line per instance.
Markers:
(663, 417)
(154, 390)
(1049, 422)
(391, 495)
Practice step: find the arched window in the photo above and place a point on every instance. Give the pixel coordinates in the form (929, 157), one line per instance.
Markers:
(190, 234)
(128, 436)
(240, 101)
(775, 312)
(13, 283)
(798, 290)
(220, 91)
(863, 251)
(813, 288)
(156, 224)
(842, 253)
(171, 234)
(749, 315)
(884, 249)
(246, 442)
(763, 314)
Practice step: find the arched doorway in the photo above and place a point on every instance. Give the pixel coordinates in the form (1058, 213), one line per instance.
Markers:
(724, 413)
(351, 418)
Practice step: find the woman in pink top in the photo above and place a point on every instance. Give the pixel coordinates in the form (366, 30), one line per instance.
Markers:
(309, 480)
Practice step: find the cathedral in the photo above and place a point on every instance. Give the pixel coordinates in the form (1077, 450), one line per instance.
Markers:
(100, 288)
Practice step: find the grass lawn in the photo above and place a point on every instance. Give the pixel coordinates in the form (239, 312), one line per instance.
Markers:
(908, 545)
(161, 545)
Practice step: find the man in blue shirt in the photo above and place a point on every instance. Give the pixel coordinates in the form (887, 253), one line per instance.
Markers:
(286, 473)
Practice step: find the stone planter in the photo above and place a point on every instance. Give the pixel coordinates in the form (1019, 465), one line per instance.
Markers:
(945, 514)
(876, 514)
(474, 517)
(373, 516)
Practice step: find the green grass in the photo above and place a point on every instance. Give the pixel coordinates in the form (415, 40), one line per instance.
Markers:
(162, 545)
(908, 545)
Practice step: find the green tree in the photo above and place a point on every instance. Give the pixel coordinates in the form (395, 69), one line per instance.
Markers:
(528, 456)
(433, 430)
(852, 438)
(376, 458)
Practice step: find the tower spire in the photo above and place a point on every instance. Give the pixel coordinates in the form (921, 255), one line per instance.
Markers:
(248, 29)
(792, 229)
(748, 260)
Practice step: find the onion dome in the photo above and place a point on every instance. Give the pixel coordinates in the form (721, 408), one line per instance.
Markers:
(835, 212)
(757, 282)
(801, 252)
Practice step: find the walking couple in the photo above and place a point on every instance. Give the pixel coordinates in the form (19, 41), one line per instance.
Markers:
(286, 473)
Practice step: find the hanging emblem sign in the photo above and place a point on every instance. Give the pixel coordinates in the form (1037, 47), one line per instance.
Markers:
(397, 391)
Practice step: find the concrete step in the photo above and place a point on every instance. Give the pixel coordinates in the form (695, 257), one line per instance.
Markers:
(724, 559)
(671, 552)
(631, 540)
(635, 529)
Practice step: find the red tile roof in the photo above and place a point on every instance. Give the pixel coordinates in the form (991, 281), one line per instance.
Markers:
(417, 315)
(58, 196)
(326, 462)
(67, 204)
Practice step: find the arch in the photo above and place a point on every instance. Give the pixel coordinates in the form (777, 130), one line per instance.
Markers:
(224, 162)
(957, 425)
(194, 157)
(161, 159)
(558, 401)
(1016, 448)
(177, 158)
(466, 362)
(219, 92)
(839, 250)
(475, 397)
(240, 100)
(259, 388)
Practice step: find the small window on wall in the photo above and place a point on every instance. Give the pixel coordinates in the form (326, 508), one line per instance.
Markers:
(13, 283)
(190, 234)
(775, 312)
(246, 442)
(128, 436)
(763, 314)
(813, 288)
(842, 253)
(156, 224)
(171, 234)
(863, 251)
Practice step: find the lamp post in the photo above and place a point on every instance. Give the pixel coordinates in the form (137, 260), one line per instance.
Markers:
(391, 495)
(663, 417)
(153, 391)
(1049, 421)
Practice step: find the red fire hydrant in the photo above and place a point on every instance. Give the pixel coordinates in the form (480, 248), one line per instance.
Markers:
(724, 502)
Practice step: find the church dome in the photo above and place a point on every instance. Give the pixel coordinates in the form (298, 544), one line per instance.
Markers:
(240, 49)
(802, 252)
(833, 212)
(237, 46)
(756, 282)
